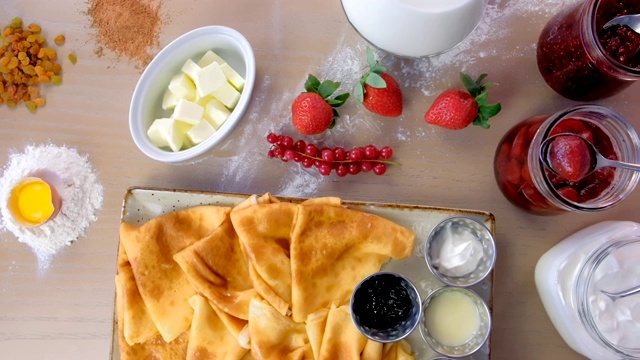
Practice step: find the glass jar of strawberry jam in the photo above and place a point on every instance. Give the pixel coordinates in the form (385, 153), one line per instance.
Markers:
(525, 180)
(580, 59)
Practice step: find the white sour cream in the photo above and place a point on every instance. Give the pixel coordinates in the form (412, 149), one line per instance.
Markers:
(456, 252)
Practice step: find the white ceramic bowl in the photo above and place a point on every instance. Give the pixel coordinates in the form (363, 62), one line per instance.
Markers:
(146, 103)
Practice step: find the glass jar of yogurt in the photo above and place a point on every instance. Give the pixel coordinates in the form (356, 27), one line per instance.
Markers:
(570, 278)
(581, 60)
(526, 182)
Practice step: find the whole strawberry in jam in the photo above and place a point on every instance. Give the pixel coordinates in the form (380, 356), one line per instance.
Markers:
(570, 157)
(314, 111)
(456, 109)
(378, 91)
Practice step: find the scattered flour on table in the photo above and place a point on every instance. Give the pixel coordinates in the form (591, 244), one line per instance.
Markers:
(494, 29)
(72, 176)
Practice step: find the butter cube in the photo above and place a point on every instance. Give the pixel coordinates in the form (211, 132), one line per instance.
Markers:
(200, 132)
(216, 113)
(209, 79)
(169, 100)
(227, 95)
(203, 101)
(234, 78)
(191, 69)
(182, 87)
(164, 133)
(210, 57)
(188, 112)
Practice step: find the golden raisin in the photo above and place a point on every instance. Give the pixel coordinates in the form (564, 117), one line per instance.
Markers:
(73, 58)
(59, 40)
(57, 80)
(39, 101)
(34, 28)
(16, 23)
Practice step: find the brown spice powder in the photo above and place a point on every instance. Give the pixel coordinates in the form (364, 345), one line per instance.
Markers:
(128, 27)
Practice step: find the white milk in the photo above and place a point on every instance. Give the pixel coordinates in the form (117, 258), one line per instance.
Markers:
(414, 28)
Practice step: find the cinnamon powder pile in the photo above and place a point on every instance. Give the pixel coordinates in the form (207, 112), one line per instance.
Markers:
(130, 28)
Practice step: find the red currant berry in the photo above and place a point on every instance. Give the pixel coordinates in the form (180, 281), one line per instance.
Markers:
(356, 154)
(324, 169)
(386, 152)
(272, 138)
(311, 150)
(327, 155)
(307, 162)
(286, 142)
(278, 151)
(342, 170)
(371, 152)
(300, 146)
(339, 154)
(297, 157)
(270, 154)
(354, 168)
(289, 155)
(379, 168)
(366, 166)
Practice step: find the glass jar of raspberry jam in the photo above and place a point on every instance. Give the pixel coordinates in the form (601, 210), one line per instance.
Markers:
(526, 182)
(580, 59)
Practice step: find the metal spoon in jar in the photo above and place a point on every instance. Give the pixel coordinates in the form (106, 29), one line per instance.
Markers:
(621, 294)
(596, 160)
(632, 21)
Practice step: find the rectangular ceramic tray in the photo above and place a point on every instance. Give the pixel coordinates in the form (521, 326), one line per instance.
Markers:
(142, 204)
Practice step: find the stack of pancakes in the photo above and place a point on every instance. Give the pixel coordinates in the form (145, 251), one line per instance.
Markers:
(263, 280)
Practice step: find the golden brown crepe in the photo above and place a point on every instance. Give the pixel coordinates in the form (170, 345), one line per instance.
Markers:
(216, 268)
(264, 232)
(137, 324)
(334, 248)
(154, 348)
(150, 249)
(209, 338)
(315, 326)
(275, 336)
(341, 339)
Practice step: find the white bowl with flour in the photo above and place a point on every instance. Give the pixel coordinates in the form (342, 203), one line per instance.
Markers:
(414, 28)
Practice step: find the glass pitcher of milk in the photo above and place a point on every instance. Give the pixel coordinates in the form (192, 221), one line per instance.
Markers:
(414, 28)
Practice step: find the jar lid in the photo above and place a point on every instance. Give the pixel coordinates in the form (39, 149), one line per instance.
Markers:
(613, 269)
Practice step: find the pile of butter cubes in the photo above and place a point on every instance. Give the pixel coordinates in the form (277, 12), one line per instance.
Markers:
(201, 98)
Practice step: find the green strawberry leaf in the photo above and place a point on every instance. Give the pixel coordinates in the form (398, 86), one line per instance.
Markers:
(477, 90)
(482, 121)
(375, 80)
(342, 98)
(358, 92)
(333, 122)
(491, 110)
(327, 88)
(312, 84)
(371, 58)
(377, 69)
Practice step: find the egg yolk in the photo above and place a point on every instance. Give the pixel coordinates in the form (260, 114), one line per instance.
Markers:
(33, 200)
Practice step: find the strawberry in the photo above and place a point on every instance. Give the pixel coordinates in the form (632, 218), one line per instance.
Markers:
(456, 109)
(314, 111)
(378, 91)
(569, 157)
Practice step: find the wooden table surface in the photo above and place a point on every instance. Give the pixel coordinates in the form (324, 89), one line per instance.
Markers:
(65, 311)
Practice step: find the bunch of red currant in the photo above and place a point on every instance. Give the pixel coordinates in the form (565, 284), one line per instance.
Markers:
(354, 161)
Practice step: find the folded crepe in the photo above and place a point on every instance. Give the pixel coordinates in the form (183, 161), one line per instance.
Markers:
(333, 248)
(154, 348)
(264, 232)
(341, 339)
(216, 268)
(163, 286)
(136, 323)
(209, 338)
(275, 336)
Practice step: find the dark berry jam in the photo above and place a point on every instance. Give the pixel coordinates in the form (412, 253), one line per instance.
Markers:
(516, 181)
(382, 302)
(570, 61)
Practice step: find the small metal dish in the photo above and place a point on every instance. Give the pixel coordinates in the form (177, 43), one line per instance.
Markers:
(361, 297)
(475, 342)
(460, 226)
